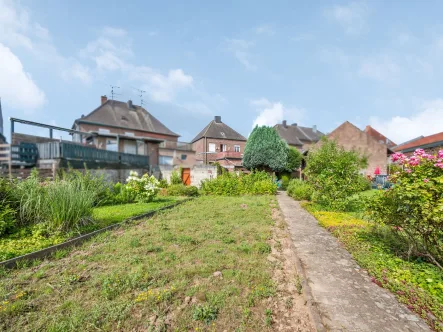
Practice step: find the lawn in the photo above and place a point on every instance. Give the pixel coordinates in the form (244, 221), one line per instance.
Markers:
(203, 266)
(415, 282)
(31, 239)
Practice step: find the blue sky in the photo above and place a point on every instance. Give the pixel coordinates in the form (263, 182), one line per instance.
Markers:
(252, 62)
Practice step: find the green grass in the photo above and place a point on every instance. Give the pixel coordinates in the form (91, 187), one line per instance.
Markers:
(155, 275)
(384, 254)
(34, 238)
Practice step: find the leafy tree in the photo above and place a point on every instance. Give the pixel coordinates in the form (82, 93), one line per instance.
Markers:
(265, 150)
(334, 175)
(294, 159)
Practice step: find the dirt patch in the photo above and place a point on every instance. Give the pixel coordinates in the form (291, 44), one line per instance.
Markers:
(289, 309)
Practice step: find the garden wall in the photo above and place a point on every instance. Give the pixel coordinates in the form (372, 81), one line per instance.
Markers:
(198, 173)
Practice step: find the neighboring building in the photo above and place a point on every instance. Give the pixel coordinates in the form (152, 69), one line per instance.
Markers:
(352, 138)
(128, 128)
(430, 144)
(218, 142)
(379, 137)
(297, 136)
(2, 137)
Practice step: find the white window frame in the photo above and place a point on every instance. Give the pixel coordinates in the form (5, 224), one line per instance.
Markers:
(236, 148)
(111, 145)
(162, 160)
(129, 134)
(104, 131)
(211, 147)
(223, 148)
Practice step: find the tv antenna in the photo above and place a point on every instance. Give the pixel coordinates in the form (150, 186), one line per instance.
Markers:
(140, 95)
(112, 91)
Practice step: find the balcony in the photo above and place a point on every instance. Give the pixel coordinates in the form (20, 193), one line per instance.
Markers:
(228, 155)
(70, 151)
(176, 145)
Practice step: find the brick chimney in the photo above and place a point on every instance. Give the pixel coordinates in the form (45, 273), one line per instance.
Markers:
(285, 124)
(130, 104)
(217, 119)
(314, 128)
(104, 99)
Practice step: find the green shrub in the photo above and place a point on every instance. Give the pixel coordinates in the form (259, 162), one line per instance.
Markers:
(176, 177)
(163, 183)
(414, 205)
(300, 190)
(7, 219)
(231, 184)
(182, 190)
(285, 178)
(32, 200)
(333, 174)
(145, 187)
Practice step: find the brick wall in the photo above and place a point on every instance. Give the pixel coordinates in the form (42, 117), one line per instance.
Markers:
(199, 147)
(177, 156)
(352, 138)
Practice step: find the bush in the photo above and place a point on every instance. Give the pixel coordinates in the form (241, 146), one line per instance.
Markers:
(285, 178)
(182, 190)
(8, 206)
(163, 183)
(7, 219)
(231, 184)
(333, 174)
(299, 190)
(176, 177)
(145, 187)
(414, 205)
(294, 159)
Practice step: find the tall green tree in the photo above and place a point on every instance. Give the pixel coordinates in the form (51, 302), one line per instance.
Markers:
(294, 159)
(265, 150)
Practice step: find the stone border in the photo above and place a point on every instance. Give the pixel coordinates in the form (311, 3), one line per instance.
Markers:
(43, 253)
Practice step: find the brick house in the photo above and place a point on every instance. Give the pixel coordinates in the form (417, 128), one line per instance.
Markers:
(379, 137)
(128, 128)
(218, 142)
(376, 150)
(297, 136)
(430, 144)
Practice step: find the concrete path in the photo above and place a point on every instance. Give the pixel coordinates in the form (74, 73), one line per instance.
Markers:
(345, 297)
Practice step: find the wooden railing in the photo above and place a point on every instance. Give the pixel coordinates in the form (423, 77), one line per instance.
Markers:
(63, 150)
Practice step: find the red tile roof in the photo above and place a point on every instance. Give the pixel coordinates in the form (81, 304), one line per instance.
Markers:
(436, 138)
(379, 137)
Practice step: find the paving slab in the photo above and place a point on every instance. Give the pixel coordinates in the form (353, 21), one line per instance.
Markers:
(341, 292)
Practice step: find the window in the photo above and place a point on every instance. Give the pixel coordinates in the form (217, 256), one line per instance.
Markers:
(223, 147)
(165, 160)
(140, 147)
(236, 148)
(111, 145)
(129, 134)
(129, 147)
(184, 156)
(103, 131)
(211, 147)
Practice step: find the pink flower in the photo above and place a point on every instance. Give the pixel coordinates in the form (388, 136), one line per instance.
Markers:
(426, 180)
(398, 156)
(440, 154)
(419, 152)
(414, 161)
(440, 164)
(407, 170)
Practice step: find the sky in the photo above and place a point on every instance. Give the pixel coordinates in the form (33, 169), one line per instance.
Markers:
(320, 63)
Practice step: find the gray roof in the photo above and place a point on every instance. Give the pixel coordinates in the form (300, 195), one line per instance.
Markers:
(119, 114)
(219, 130)
(297, 135)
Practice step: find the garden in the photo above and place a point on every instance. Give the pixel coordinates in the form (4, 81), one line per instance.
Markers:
(395, 233)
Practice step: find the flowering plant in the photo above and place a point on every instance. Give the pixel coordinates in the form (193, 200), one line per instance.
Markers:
(145, 187)
(414, 206)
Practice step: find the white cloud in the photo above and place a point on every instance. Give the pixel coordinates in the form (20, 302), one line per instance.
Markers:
(380, 68)
(351, 16)
(113, 32)
(265, 29)
(272, 113)
(16, 86)
(427, 120)
(77, 71)
(240, 49)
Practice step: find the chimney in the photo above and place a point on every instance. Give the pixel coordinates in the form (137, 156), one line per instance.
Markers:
(130, 104)
(294, 124)
(104, 99)
(314, 128)
(217, 119)
(285, 124)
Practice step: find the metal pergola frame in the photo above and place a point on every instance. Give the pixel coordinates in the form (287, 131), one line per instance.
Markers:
(42, 125)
